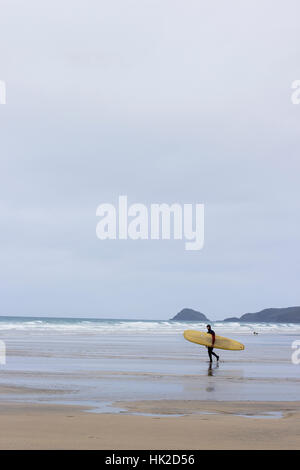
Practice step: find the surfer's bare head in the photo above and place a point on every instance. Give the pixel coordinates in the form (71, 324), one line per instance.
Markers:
(208, 327)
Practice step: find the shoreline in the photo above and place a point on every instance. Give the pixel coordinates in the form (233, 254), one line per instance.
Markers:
(205, 425)
(247, 408)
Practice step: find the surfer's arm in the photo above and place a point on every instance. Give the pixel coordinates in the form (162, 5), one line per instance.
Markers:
(213, 338)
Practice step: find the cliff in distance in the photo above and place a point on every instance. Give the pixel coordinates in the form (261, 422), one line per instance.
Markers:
(188, 314)
(271, 315)
(268, 315)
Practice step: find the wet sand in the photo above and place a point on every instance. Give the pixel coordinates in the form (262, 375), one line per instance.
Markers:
(92, 390)
(203, 425)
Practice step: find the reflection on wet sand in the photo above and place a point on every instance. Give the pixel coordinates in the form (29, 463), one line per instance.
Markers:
(212, 368)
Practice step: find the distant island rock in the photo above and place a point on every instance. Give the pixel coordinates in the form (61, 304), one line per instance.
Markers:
(188, 314)
(271, 315)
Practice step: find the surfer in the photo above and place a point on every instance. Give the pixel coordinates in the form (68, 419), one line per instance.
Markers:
(210, 349)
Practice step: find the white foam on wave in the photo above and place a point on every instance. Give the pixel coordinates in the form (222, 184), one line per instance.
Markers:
(90, 326)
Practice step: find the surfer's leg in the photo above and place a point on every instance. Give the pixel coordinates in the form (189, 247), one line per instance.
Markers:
(214, 354)
(209, 350)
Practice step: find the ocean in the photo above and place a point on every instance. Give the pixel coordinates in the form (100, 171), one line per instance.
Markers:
(99, 362)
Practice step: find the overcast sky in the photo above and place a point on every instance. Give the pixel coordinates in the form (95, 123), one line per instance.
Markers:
(162, 101)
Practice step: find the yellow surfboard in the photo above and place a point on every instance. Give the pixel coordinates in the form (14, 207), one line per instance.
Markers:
(205, 339)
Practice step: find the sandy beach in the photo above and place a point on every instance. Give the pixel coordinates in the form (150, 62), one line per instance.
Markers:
(42, 426)
(72, 384)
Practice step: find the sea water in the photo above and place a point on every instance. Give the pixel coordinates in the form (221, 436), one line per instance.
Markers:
(95, 362)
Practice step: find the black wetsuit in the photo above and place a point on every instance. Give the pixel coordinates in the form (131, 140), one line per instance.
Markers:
(210, 349)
